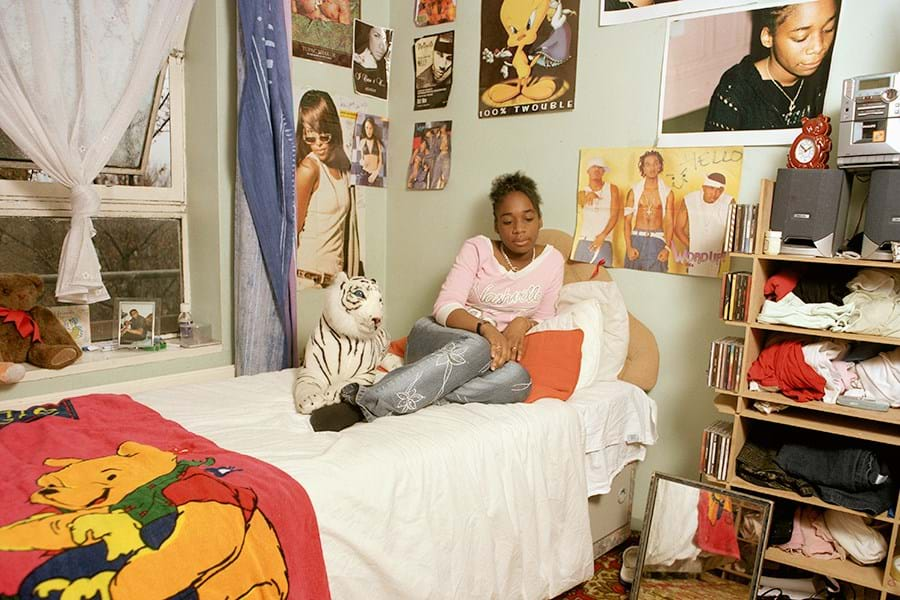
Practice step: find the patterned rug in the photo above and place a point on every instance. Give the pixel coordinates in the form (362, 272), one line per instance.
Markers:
(605, 584)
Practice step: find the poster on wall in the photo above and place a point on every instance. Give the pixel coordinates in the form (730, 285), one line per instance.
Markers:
(746, 77)
(533, 70)
(330, 217)
(433, 62)
(434, 12)
(429, 163)
(369, 158)
(614, 12)
(322, 30)
(371, 59)
(662, 210)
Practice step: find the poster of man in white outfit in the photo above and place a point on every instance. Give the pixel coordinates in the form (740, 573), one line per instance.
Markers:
(599, 209)
(700, 221)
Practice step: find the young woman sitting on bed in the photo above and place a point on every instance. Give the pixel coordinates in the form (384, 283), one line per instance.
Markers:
(469, 350)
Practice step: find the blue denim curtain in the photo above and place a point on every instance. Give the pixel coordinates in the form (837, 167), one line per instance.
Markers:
(265, 211)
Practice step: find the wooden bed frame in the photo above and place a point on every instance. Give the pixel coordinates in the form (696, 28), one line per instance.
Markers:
(610, 514)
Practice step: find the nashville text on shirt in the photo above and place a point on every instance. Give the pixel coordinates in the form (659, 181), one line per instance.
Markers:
(530, 295)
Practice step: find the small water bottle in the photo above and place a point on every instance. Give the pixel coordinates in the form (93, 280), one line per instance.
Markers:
(185, 322)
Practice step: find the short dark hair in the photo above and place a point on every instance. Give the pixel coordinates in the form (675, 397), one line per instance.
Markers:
(644, 157)
(506, 184)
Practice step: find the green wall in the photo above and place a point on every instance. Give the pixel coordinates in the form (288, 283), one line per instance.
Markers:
(616, 106)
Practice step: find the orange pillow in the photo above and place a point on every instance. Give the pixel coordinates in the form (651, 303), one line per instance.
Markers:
(553, 359)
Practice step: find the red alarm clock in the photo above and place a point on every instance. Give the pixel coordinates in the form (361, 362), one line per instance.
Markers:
(810, 149)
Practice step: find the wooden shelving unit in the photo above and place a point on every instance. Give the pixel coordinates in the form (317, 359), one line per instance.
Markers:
(851, 423)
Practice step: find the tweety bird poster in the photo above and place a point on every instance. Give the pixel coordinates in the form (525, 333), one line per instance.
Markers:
(528, 57)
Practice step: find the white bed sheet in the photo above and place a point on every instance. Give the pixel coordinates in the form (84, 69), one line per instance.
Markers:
(457, 501)
(619, 421)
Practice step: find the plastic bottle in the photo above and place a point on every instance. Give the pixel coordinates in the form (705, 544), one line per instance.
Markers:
(185, 322)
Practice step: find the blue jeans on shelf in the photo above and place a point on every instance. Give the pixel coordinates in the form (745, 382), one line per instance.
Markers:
(443, 364)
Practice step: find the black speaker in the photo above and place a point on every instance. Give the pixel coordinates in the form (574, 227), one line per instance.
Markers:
(882, 215)
(810, 209)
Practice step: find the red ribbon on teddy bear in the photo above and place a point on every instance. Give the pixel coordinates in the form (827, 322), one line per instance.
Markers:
(25, 324)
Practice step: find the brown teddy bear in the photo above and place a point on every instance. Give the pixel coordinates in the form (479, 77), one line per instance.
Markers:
(30, 333)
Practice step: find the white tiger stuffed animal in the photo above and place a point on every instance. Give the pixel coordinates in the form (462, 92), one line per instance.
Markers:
(347, 345)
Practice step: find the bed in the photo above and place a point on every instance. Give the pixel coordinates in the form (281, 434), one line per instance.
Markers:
(455, 501)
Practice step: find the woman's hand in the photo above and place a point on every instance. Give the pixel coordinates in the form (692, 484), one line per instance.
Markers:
(501, 350)
(597, 243)
(515, 335)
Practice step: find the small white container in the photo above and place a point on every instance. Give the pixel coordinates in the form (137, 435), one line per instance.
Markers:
(772, 243)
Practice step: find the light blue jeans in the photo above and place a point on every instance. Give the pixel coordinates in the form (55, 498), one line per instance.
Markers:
(443, 364)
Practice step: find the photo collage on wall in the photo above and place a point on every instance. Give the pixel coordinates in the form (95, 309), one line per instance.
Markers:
(659, 210)
(532, 70)
(429, 162)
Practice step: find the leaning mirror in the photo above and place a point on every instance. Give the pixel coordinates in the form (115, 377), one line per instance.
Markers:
(700, 541)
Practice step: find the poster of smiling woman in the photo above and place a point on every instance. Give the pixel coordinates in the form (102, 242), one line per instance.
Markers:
(746, 77)
(662, 210)
(528, 57)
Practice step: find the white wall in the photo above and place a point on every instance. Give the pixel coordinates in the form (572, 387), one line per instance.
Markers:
(616, 106)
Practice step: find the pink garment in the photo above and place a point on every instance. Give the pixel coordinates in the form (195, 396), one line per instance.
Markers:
(479, 284)
(811, 536)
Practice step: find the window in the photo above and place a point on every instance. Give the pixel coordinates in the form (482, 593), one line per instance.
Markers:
(141, 229)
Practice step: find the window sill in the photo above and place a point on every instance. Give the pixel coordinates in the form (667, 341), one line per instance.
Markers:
(114, 359)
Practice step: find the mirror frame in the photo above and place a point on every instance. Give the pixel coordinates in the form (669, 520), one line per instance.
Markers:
(765, 505)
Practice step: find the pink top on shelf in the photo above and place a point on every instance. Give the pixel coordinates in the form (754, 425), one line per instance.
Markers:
(479, 284)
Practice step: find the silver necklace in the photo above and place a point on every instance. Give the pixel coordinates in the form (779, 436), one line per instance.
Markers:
(793, 100)
(509, 263)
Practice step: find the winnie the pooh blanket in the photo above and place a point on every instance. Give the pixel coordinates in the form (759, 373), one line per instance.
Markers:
(104, 498)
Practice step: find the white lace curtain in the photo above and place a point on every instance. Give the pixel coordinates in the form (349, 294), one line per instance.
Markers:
(72, 75)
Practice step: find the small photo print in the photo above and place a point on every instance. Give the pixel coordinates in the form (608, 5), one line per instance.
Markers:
(137, 322)
(369, 157)
(77, 321)
(433, 58)
(435, 12)
(429, 163)
(371, 59)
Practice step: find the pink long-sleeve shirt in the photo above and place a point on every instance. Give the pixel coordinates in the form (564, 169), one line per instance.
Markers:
(479, 284)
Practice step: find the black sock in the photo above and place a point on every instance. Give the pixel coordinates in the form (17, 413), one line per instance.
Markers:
(335, 417)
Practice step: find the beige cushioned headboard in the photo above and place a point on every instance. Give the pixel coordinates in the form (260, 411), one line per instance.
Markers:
(642, 364)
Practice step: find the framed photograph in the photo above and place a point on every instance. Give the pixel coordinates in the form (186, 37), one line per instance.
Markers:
(746, 77)
(76, 318)
(136, 322)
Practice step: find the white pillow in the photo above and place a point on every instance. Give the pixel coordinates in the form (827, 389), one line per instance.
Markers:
(614, 342)
(587, 316)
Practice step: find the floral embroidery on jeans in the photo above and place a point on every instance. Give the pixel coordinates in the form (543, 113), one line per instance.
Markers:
(451, 355)
(409, 398)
